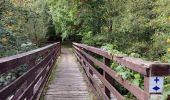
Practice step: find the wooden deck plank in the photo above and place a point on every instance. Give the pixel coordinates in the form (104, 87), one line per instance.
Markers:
(68, 83)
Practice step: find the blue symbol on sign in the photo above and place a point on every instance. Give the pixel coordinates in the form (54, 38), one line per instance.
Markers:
(156, 88)
(156, 80)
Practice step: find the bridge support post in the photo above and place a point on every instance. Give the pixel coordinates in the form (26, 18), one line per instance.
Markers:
(90, 71)
(107, 77)
(31, 64)
(154, 82)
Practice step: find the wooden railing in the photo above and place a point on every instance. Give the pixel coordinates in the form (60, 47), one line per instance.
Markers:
(148, 70)
(29, 85)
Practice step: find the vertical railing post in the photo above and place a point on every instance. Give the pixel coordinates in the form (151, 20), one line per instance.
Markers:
(153, 84)
(106, 76)
(59, 48)
(168, 97)
(31, 64)
(146, 85)
(90, 71)
(91, 63)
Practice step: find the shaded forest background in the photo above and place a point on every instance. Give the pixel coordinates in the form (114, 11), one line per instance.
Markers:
(138, 28)
(133, 27)
(24, 25)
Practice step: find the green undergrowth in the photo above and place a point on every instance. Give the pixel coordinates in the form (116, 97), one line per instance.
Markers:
(133, 77)
(66, 44)
(10, 76)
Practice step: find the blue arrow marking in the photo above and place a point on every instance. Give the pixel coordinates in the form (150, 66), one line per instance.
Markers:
(156, 80)
(156, 88)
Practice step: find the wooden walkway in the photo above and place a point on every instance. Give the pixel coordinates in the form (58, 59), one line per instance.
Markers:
(69, 83)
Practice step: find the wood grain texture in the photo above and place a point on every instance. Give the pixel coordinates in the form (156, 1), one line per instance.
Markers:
(28, 84)
(68, 83)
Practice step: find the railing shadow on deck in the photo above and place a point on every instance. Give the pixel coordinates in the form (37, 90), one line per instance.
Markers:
(147, 69)
(28, 85)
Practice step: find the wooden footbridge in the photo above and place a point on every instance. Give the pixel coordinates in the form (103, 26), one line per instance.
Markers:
(90, 79)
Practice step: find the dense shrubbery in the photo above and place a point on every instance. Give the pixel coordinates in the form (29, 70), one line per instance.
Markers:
(6, 78)
(139, 28)
(131, 26)
(23, 25)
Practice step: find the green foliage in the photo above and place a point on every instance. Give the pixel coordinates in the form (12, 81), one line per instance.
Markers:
(5, 79)
(166, 87)
(24, 25)
(111, 49)
(127, 74)
(137, 28)
(131, 26)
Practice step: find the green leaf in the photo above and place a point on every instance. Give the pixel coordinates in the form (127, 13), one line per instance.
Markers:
(137, 76)
(136, 82)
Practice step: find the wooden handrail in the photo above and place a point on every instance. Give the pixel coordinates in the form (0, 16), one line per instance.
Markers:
(143, 66)
(8, 63)
(28, 85)
(146, 68)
